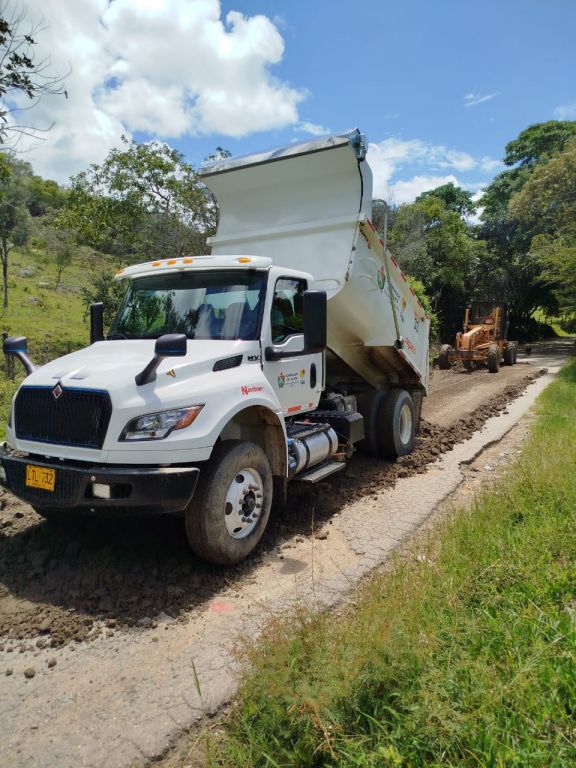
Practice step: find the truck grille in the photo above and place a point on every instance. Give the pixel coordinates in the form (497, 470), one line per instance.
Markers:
(78, 417)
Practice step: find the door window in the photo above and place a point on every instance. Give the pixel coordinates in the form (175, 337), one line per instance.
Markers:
(287, 316)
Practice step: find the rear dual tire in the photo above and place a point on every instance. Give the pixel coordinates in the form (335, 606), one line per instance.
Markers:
(389, 423)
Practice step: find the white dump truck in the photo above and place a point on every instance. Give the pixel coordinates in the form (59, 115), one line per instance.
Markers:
(225, 376)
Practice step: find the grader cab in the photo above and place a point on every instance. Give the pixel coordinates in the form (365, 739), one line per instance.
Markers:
(483, 339)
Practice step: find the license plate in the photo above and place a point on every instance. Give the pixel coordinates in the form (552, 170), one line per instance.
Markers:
(40, 477)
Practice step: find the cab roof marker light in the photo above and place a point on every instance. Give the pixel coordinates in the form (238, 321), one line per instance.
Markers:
(156, 263)
(187, 261)
(244, 260)
(170, 262)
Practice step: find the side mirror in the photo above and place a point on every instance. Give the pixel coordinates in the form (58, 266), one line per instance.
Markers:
(18, 346)
(315, 314)
(169, 345)
(96, 322)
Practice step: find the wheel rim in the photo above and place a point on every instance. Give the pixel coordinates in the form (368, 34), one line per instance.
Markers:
(243, 504)
(405, 426)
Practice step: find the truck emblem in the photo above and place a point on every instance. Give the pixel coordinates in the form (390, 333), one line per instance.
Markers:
(171, 372)
(57, 391)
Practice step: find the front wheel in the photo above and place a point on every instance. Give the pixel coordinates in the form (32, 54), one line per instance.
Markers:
(493, 358)
(229, 512)
(444, 357)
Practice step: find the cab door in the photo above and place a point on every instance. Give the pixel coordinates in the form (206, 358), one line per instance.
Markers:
(296, 378)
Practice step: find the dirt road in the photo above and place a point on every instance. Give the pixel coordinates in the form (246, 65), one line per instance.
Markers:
(82, 602)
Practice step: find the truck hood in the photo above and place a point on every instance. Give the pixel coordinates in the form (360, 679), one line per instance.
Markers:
(112, 365)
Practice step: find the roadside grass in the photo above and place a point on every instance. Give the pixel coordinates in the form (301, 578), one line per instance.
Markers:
(465, 655)
(552, 321)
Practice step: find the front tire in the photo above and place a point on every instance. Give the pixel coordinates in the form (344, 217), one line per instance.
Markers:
(444, 357)
(229, 512)
(493, 359)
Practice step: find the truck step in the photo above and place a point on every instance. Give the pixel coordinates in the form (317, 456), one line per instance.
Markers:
(316, 474)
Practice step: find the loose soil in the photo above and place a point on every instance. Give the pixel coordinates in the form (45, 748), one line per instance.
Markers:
(80, 579)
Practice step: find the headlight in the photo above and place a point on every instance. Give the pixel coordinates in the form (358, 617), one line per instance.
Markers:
(157, 426)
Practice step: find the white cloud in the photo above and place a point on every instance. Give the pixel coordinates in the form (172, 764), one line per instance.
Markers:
(313, 129)
(566, 111)
(407, 191)
(472, 99)
(489, 165)
(393, 155)
(164, 67)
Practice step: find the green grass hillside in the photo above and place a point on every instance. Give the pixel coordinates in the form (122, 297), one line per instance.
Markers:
(54, 321)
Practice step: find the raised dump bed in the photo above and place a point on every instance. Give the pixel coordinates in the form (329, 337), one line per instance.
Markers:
(308, 207)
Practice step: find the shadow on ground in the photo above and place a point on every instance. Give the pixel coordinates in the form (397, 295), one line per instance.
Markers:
(76, 579)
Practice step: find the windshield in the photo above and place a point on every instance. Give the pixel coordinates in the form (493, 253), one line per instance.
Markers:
(480, 311)
(201, 304)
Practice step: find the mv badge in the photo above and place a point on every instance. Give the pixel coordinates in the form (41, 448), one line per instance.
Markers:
(57, 392)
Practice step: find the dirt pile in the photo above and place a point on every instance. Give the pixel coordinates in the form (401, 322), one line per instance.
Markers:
(82, 578)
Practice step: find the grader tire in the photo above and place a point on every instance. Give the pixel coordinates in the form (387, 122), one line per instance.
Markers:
(509, 355)
(493, 359)
(444, 357)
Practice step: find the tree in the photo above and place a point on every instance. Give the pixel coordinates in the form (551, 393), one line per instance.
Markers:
(44, 196)
(143, 202)
(519, 271)
(547, 201)
(433, 245)
(104, 288)
(539, 142)
(20, 74)
(454, 198)
(61, 243)
(546, 207)
(13, 213)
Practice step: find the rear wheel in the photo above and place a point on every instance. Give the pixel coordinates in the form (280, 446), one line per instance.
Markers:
(398, 424)
(370, 405)
(389, 423)
(229, 512)
(444, 357)
(509, 357)
(493, 359)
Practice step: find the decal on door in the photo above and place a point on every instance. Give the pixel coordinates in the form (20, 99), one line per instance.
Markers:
(291, 379)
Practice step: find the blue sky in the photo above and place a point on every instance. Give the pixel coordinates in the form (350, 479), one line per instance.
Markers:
(439, 88)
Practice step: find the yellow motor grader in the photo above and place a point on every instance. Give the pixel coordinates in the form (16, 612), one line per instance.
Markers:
(483, 340)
